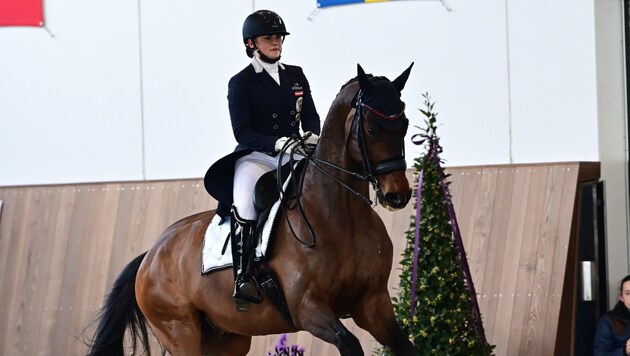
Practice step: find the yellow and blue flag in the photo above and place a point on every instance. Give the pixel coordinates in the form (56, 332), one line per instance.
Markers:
(325, 3)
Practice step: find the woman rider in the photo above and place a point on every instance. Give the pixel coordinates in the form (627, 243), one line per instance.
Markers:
(269, 101)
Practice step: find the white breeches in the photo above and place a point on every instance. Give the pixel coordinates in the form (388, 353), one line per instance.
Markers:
(247, 170)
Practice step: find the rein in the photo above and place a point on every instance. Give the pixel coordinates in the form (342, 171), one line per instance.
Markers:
(293, 144)
(296, 143)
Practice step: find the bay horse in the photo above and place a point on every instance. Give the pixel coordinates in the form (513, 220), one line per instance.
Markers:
(343, 274)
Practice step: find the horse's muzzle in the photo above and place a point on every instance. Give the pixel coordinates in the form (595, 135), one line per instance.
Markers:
(395, 200)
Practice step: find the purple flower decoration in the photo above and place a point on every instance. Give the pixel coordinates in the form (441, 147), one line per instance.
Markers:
(281, 348)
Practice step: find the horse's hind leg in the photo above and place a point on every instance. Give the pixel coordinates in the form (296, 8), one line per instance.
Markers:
(184, 331)
(174, 320)
(180, 335)
(194, 338)
(217, 344)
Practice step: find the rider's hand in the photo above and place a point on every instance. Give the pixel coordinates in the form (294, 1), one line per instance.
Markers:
(281, 141)
(311, 138)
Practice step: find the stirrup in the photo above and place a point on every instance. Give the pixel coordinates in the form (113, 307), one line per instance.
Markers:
(246, 291)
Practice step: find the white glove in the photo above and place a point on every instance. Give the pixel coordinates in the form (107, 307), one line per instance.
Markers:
(311, 138)
(281, 141)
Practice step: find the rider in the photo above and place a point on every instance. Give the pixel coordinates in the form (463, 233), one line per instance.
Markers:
(269, 101)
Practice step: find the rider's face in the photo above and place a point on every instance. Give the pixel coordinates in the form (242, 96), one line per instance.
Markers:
(270, 45)
(625, 294)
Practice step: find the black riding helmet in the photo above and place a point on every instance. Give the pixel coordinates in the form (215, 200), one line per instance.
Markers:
(263, 22)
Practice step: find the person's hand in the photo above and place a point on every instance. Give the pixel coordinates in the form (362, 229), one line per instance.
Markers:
(282, 141)
(627, 350)
(311, 138)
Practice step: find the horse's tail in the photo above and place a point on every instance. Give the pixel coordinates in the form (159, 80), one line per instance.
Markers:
(119, 312)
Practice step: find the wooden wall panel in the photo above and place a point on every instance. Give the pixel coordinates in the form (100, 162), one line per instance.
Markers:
(506, 293)
(61, 247)
(518, 263)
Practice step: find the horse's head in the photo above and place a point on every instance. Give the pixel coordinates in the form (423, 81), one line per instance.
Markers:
(375, 130)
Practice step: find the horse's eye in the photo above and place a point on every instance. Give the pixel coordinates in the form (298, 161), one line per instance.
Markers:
(371, 131)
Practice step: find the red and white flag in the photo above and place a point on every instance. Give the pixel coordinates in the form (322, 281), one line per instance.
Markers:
(21, 13)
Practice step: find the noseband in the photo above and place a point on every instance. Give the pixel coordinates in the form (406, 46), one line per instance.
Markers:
(392, 164)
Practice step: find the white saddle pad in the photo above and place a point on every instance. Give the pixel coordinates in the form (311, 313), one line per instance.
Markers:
(216, 235)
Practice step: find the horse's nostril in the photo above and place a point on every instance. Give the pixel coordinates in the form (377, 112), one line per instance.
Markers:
(397, 200)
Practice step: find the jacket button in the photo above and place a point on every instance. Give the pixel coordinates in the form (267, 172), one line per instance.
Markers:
(292, 112)
(274, 115)
(275, 127)
(292, 123)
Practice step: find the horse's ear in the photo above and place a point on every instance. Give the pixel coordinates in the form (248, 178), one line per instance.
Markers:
(399, 82)
(364, 81)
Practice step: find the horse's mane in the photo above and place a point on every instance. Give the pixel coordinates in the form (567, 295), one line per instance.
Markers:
(350, 82)
(369, 76)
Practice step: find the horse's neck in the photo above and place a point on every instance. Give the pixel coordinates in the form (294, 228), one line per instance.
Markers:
(332, 149)
(335, 186)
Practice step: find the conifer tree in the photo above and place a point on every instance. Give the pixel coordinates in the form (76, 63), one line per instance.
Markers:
(436, 303)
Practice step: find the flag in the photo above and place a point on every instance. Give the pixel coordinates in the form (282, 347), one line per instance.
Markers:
(21, 13)
(325, 3)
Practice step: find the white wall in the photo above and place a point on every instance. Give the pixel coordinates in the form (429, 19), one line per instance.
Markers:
(613, 149)
(137, 90)
(70, 105)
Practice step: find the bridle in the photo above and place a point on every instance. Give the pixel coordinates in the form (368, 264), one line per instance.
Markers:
(370, 171)
(392, 164)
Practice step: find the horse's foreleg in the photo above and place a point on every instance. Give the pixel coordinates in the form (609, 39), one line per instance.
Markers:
(346, 342)
(376, 315)
(321, 322)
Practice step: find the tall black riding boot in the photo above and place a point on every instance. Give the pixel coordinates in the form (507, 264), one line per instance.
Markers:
(243, 250)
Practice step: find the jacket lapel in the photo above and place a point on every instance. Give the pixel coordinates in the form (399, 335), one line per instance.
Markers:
(273, 87)
(287, 86)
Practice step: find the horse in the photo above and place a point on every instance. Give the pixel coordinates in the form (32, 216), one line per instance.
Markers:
(340, 271)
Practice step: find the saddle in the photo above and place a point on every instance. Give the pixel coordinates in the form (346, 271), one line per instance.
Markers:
(266, 194)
